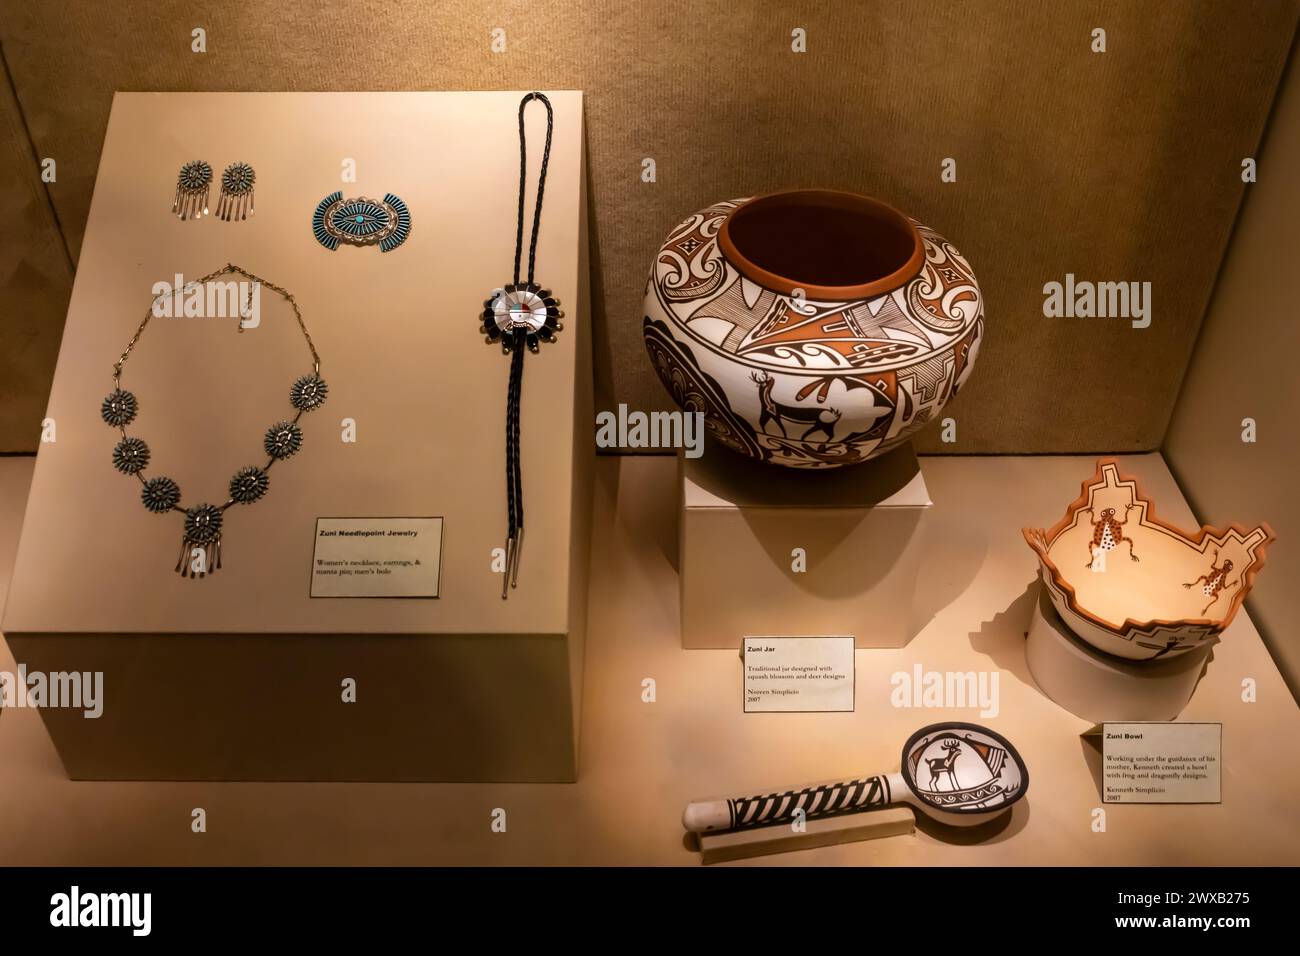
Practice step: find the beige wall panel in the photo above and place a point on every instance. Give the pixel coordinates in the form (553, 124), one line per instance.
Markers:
(1244, 367)
(1114, 166)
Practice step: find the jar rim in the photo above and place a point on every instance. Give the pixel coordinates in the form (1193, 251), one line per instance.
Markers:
(902, 263)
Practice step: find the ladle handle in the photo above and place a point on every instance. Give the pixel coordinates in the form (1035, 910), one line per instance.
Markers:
(817, 800)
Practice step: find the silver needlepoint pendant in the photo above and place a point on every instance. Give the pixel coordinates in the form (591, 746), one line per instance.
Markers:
(160, 494)
(201, 542)
(283, 439)
(249, 485)
(308, 393)
(131, 456)
(119, 408)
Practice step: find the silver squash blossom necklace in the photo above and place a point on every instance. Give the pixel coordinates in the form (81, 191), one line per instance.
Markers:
(521, 316)
(201, 536)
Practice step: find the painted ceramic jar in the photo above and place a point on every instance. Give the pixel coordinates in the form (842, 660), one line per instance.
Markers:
(812, 328)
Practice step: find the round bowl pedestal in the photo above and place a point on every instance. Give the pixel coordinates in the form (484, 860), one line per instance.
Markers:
(1098, 687)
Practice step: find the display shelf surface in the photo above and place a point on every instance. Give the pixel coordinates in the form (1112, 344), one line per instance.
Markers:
(641, 762)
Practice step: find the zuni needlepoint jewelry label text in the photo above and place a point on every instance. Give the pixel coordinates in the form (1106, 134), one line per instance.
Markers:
(798, 674)
(1161, 762)
(377, 557)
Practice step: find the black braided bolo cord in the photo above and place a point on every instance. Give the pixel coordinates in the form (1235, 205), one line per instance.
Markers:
(523, 180)
(514, 477)
(514, 393)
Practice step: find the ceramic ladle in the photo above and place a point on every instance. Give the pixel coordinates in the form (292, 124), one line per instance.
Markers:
(958, 774)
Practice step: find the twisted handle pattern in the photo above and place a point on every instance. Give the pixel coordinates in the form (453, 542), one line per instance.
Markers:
(823, 800)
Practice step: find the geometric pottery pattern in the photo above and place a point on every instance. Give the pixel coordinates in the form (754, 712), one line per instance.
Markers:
(804, 383)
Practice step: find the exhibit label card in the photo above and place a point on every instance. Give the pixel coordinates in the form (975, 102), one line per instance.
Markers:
(797, 674)
(377, 557)
(1161, 762)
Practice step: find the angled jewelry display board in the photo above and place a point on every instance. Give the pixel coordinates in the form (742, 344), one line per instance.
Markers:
(464, 686)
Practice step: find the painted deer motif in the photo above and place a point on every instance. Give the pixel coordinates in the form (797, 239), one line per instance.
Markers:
(945, 764)
(1214, 581)
(817, 419)
(1108, 534)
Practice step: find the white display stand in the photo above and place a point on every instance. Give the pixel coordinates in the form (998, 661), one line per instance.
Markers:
(770, 550)
(243, 675)
(1100, 688)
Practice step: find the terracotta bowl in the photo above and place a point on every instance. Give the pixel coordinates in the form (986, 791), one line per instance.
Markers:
(811, 328)
(1134, 586)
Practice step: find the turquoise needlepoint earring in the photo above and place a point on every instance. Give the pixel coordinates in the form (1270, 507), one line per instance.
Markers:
(236, 199)
(192, 185)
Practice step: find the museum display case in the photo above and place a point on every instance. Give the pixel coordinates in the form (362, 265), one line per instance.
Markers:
(318, 355)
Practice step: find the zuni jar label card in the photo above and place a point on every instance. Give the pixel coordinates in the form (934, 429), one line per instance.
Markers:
(791, 675)
(1161, 762)
(377, 557)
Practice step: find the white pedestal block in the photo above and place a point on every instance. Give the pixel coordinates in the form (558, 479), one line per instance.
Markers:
(769, 550)
(1098, 687)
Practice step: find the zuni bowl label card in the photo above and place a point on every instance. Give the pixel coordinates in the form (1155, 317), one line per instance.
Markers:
(377, 557)
(1161, 762)
(791, 675)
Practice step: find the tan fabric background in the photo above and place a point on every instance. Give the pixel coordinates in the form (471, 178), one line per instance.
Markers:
(1116, 166)
(35, 280)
